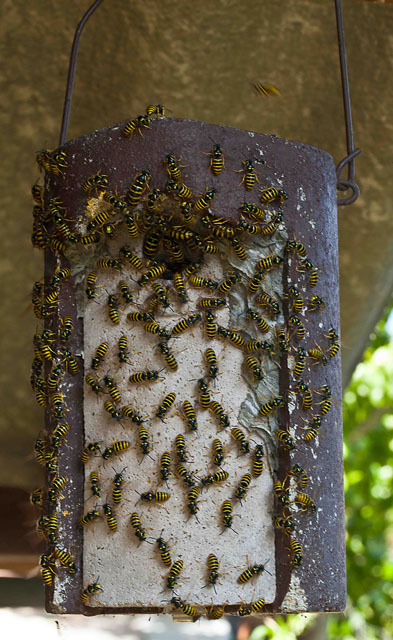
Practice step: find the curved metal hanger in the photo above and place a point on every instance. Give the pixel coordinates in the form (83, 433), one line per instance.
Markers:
(342, 185)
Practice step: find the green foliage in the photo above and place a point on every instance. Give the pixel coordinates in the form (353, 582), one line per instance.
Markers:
(368, 458)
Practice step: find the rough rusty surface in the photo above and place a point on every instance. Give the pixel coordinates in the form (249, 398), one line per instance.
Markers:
(308, 176)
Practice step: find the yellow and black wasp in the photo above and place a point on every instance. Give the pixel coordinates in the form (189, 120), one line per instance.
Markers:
(226, 513)
(90, 449)
(168, 355)
(179, 286)
(185, 324)
(285, 439)
(136, 524)
(300, 331)
(238, 435)
(166, 405)
(213, 567)
(219, 412)
(251, 572)
(89, 517)
(144, 376)
(243, 486)
(95, 484)
(216, 159)
(266, 89)
(97, 180)
(205, 201)
(192, 505)
(300, 363)
(115, 448)
(165, 463)
(257, 464)
(163, 550)
(249, 174)
(89, 592)
(189, 413)
(267, 408)
(180, 445)
(140, 122)
(215, 478)
(305, 393)
(259, 321)
(315, 304)
(185, 475)
(271, 194)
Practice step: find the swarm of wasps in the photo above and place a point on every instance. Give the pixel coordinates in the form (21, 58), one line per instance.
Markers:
(172, 232)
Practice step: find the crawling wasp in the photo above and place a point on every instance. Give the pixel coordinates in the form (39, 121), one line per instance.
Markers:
(174, 573)
(89, 592)
(163, 550)
(189, 412)
(140, 122)
(166, 405)
(240, 437)
(250, 572)
(137, 526)
(98, 180)
(216, 478)
(267, 408)
(243, 486)
(90, 449)
(249, 174)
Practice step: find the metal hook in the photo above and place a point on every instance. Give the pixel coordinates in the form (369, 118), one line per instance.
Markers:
(71, 72)
(343, 185)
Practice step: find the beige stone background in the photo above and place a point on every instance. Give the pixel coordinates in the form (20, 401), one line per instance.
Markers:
(198, 59)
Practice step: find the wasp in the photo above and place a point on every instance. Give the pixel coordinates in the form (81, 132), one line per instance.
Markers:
(259, 321)
(91, 448)
(138, 188)
(285, 523)
(113, 309)
(91, 285)
(306, 502)
(216, 478)
(47, 570)
(155, 110)
(179, 286)
(249, 176)
(97, 180)
(116, 447)
(125, 292)
(151, 244)
(267, 408)
(143, 437)
(154, 327)
(136, 316)
(298, 247)
(326, 403)
(144, 376)
(211, 359)
(71, 363)
(99, 220)
(239, 249)
(123, 349)
(189, 412)
(154, 496)
(313, 427)
(333, 350)
(173, 168)
(226, 512)
(228, 283)
(89, 592)
(66, 560)
(243, 486)
(297, 299)
(213, 566)
(37, 191)
(315, 304)
(36, 498)
(317, 355)
(89, 238)
(140, 122)
(214, 613)
(153, 273)
(205, 201)
(251, 572)
(117, 490)
(186, 477)
(306, 395)
(240, 437)
(174, 573)
(257, 464)
(166, 405)
(137, 526)
(307, 266)
(266, 89)
(198, 283)
(300, 474)
(252, 211)
(60, 274)
(169, 357)
(265, 300)
(271, 194)
(216, 159)
(58, 406)
(127, 412)
(281, 492)
(297, 551)
(180, 448)
(300, 330)
(110, 517)
(185, 324)
(300, 362)
(113, 412)
(113, 389)
(165, 462)
(95, 484)
(218, 411)
(66, 330)
(286, 440)
(332, 335)
(210, 326)
(192, 497)
(187, 609)
(58, 434)
(133, 260)
(90, 516)
(218, 452)
(207, 303)
(163, 550)
(99, 355)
